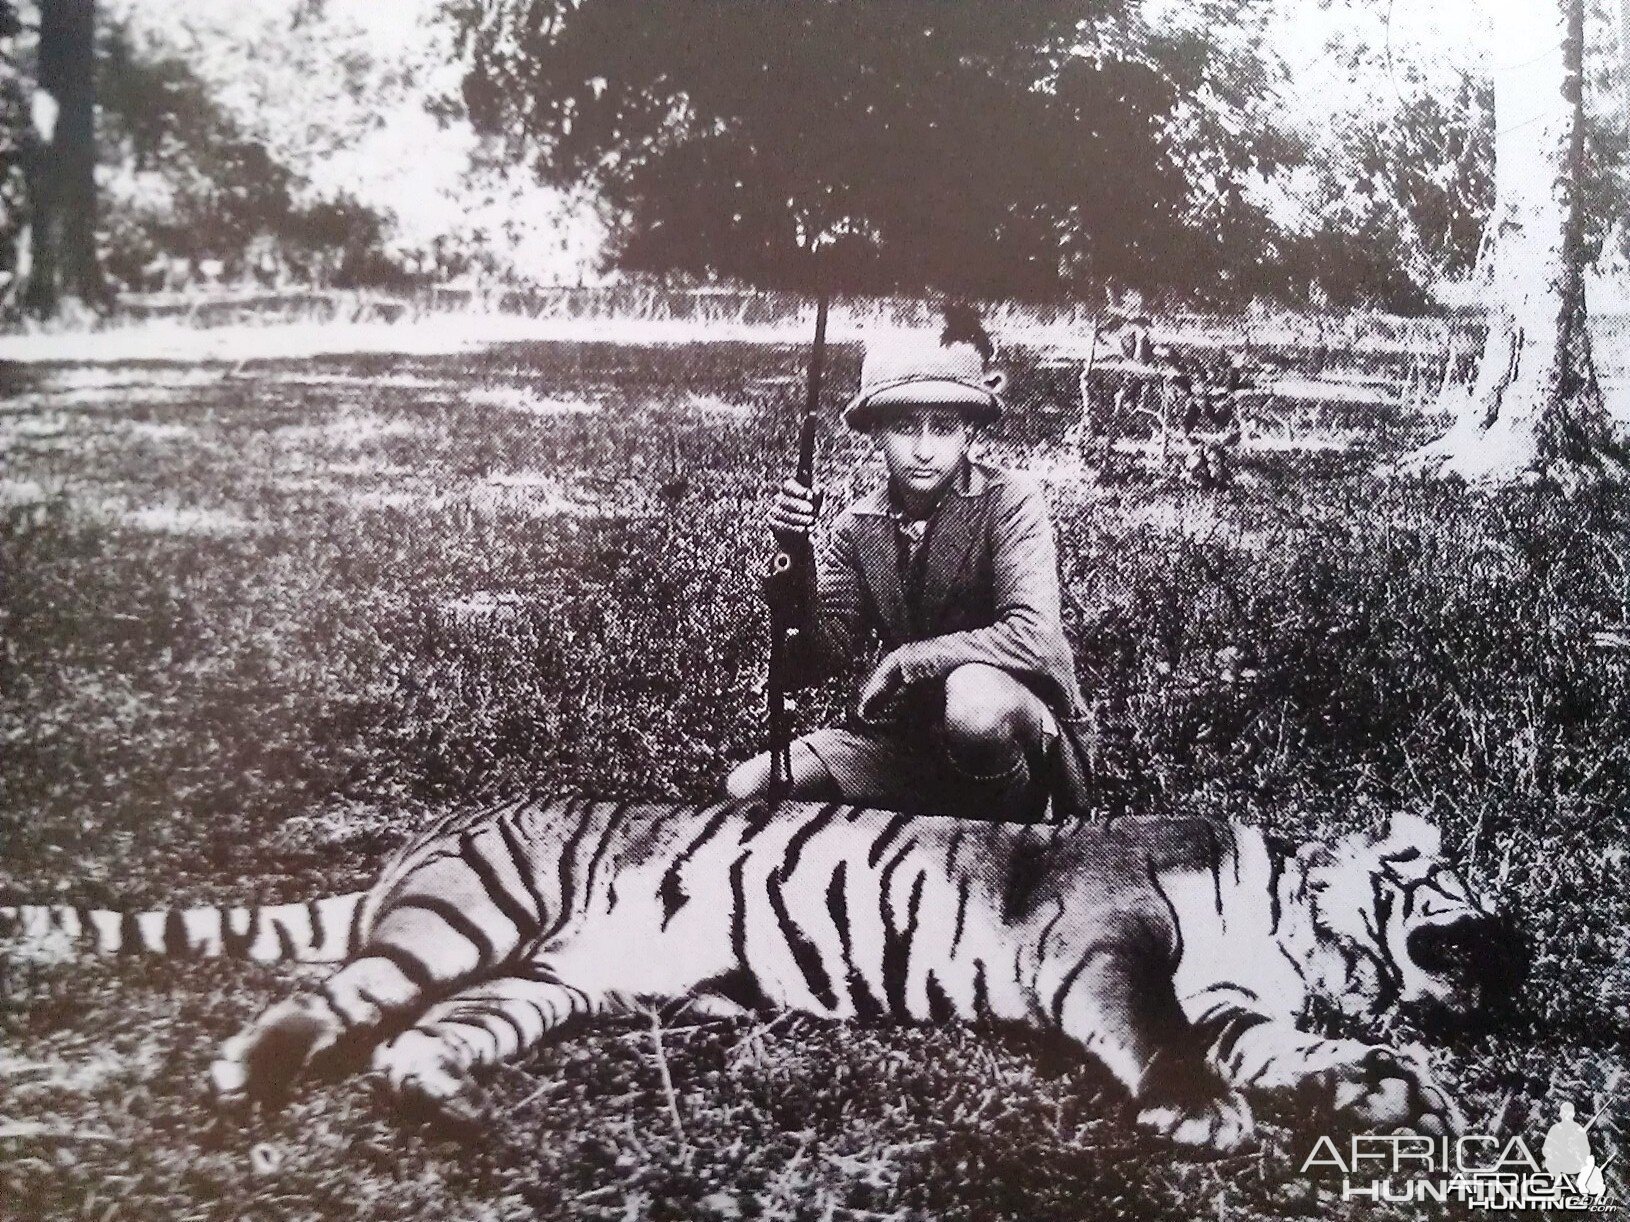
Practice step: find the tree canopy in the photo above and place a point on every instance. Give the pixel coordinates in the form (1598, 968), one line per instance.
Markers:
(293, 141)
(1085, 143)
(1218, 149)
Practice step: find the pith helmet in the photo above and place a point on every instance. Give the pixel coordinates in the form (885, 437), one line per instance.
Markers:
(915, 369)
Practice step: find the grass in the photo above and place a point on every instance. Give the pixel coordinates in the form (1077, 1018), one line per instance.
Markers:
(262, 619)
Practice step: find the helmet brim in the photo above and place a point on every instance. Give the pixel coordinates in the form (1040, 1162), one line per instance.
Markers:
(979, 404)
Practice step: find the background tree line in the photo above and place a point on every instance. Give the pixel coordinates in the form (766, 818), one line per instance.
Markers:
(275, 142)
(1172, 149)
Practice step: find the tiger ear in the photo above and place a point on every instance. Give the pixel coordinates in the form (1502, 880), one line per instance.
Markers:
(1405, 829)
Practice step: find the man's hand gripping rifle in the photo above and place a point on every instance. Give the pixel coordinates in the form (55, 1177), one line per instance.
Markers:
(789, 585)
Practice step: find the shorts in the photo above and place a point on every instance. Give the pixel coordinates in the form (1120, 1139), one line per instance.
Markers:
(910, 768)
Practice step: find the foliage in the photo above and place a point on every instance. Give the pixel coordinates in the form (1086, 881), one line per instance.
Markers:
(1606, 185)
(1399, 183)
(1116, 143)
(1124, 143)
(186, 178)
(316, 144)
(187, 181)
(1085, 143)
(1402, 197)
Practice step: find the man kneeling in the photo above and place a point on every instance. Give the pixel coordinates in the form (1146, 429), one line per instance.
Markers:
(974, 708)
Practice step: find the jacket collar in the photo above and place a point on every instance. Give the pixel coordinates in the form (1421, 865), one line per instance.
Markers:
(949, 548)
(971, 482)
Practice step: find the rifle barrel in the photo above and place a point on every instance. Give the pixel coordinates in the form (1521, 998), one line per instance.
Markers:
(812, 397)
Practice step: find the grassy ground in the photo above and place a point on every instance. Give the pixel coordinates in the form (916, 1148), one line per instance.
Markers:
(261, 620)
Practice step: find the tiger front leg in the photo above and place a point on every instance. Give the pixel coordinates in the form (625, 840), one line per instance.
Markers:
(1375, 1086)
(419, 947)
(1123, 1010)
(262, 1062)
(427, 1068)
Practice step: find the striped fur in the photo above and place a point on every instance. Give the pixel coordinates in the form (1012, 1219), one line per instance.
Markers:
(323, 930)
(1181, 953)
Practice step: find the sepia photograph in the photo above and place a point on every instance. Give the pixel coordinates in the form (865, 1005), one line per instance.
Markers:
(814, 610)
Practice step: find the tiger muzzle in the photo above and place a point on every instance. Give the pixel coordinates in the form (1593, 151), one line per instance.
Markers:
(1478, 961)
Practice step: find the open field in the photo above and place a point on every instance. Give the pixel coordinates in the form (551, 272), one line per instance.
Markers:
(263, 617)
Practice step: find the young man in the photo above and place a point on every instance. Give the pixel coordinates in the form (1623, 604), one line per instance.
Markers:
(973, 708)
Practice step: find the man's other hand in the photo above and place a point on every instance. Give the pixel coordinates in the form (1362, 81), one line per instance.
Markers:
(882, 686)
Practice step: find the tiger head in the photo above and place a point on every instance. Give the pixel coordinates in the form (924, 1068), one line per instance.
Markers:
(1409, 931)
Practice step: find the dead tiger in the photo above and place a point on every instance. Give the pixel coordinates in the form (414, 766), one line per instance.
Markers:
(1179, 952)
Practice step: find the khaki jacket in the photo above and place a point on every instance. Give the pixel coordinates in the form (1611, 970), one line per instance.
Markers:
(989, 593)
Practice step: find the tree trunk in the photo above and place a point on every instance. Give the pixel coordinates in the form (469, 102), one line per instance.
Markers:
(1535, 411)
(1624, 58)
(15, 144)
(63, 178)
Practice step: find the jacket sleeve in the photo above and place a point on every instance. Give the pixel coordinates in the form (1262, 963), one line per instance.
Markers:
(1027, 635)
(832, 640)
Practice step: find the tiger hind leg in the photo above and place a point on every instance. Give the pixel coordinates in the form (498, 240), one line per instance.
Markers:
(427, 1068)
(1126, 1014)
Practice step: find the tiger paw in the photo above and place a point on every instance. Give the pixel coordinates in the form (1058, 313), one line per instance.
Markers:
(424, 1081)
(1391, 1088)
(1219, 1125)
(454, 1111)
(1189, 1105)
(262, 1062)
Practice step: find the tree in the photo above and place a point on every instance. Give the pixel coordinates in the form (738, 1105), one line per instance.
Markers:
(62, 174)
(1624, 59)
(978, 147)
(1610, 149)
(16, 148)
(1535, 410)
(293, 140)
(1401, 193)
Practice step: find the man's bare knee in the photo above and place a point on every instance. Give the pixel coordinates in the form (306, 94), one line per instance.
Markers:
(982, 714)
(749, 778)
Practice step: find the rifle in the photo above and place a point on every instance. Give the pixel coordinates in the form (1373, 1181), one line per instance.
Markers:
(789, 586)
